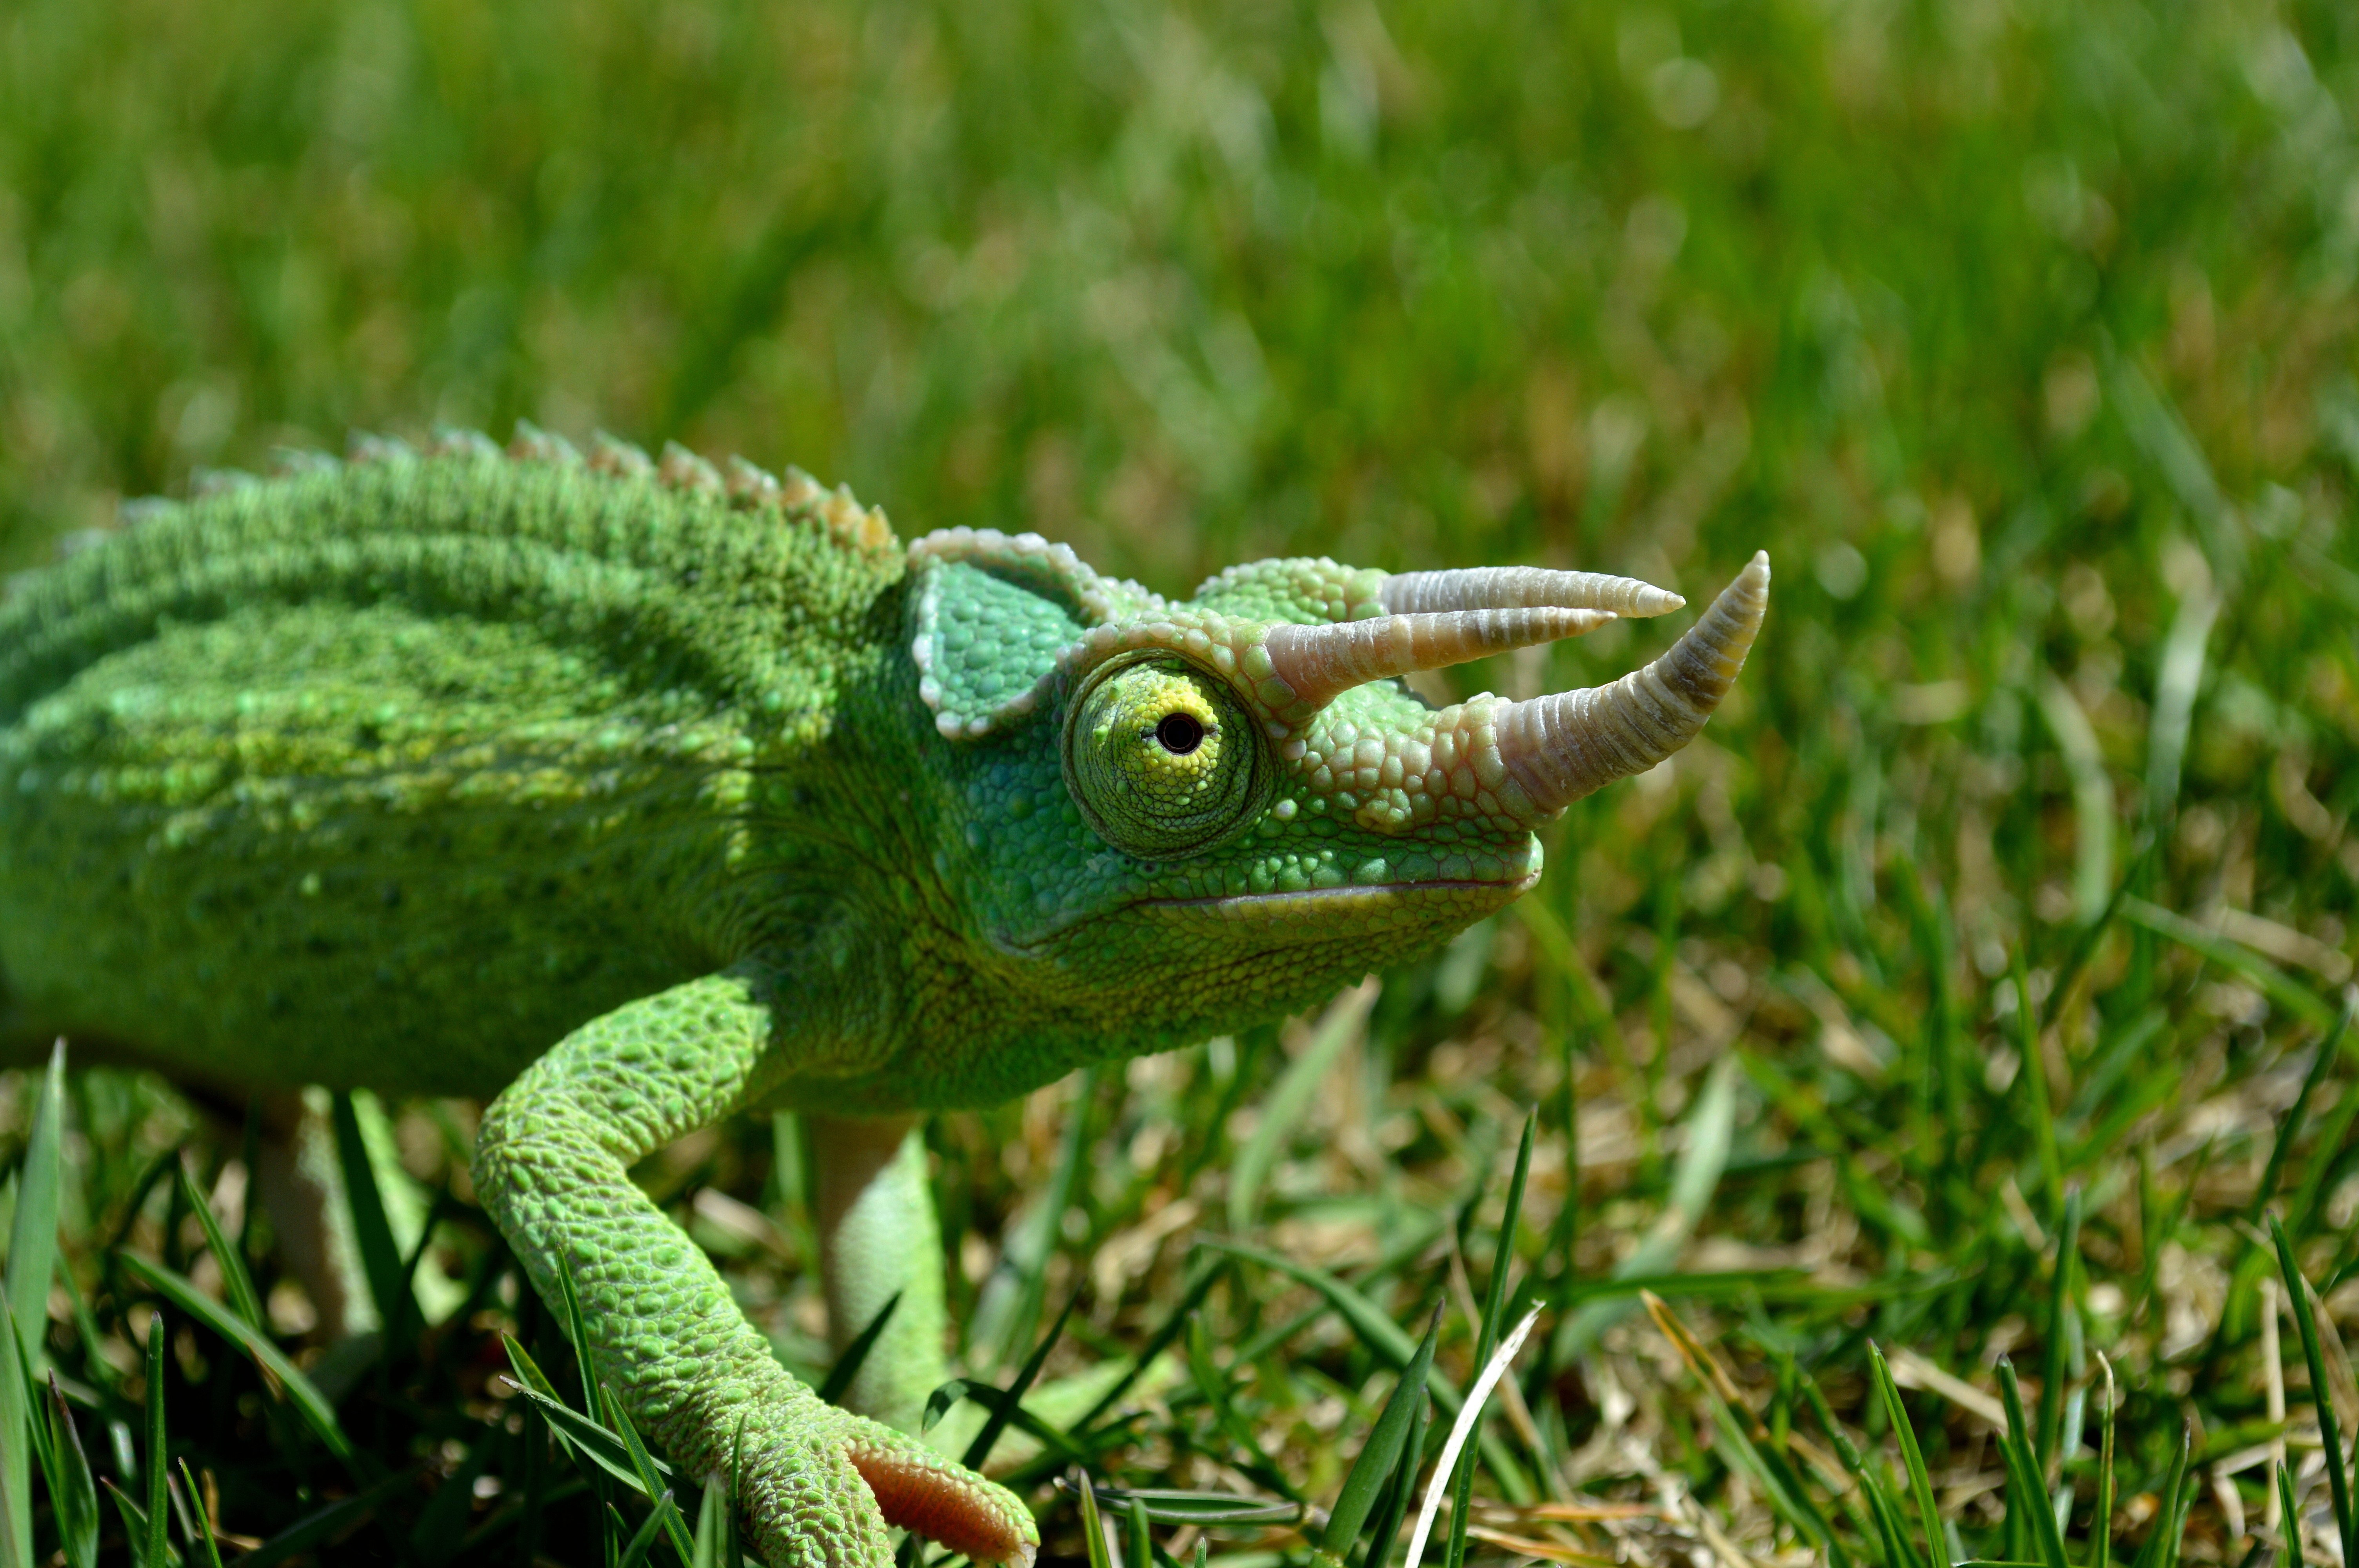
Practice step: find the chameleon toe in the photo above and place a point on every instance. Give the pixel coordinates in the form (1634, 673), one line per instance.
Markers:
(918, 1490)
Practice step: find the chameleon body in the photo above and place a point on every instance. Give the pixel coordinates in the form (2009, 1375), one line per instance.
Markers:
(630, 796)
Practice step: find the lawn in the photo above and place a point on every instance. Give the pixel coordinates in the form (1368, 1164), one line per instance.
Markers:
(1967, 996)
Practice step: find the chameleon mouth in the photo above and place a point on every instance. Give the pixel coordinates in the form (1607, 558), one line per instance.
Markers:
(1317, 910)
(1323, 904)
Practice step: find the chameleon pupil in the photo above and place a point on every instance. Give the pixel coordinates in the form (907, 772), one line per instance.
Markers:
(1181, 733)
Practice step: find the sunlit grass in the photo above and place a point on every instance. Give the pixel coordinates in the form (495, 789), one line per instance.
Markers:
(1945, 1029)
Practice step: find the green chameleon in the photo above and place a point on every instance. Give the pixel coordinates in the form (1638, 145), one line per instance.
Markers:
(631, 795)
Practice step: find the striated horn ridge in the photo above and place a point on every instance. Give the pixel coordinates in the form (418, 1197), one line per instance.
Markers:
(1565, 745)
(1319, 664)
(1522, 588)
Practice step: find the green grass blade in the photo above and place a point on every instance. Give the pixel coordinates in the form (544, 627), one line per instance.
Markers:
(711, 1525)
(159, 1468)
(1486, 1339)
(1384, 1338)
(311, 1404)
(1283, 1107)
(2170, 1527)
(733, 1548)
(73, 1495)
(1206, 1510)
(442, 1523)
(1746, 1443)
(18, 1446)
(1093, 1540)
(2031, 1079)
(1884, 1516)
(1710, 1125)
(847, 1365)
(236, 1283)
(2306, 1206)
(2101, 1517)
(135, 1523)
(643, 1462)
(2271, 981)
(1008, 1306)
(1136, 1542)
(371, 1232)
(1920, 1484)
(1213, 1385)
(589, 1442)
(577, 1335)
(327, 1523)
(2059, 1334)
(2027, 1475)
(996, 1422)
(208, 1549)
(527, 1371)
(1372, 1470)
(1403, 1491)
(1203, 1274)
(33, 1232)
(2329, 1429)
(1503, 1256)
(2291, 1517)
(2289, 1128)
(663, 1520)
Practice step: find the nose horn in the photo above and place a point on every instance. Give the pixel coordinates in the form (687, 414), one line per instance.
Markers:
(1565, 745)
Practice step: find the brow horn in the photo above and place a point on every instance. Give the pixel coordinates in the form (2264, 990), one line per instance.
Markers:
(1321, 662)
(1522, 588)
(1563, 746)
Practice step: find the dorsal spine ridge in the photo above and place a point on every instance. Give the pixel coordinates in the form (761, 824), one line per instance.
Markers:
(743, 485)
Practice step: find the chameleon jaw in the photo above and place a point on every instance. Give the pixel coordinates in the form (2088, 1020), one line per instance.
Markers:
(1379, 895)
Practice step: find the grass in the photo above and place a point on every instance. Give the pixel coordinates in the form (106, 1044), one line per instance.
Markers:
(1942, 1041)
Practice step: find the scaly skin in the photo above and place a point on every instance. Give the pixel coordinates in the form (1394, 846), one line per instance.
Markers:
(630, 799)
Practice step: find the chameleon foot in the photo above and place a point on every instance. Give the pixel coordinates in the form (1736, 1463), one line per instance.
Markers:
(823, 1496)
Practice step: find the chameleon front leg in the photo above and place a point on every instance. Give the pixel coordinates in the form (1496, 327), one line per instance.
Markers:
(553, 1166)
(877, 1236)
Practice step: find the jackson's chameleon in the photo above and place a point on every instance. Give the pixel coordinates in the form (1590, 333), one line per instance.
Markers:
(632, 794)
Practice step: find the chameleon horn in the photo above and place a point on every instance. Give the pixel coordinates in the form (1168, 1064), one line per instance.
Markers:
(1563, 746)
(1321, 662)
(1522, 588)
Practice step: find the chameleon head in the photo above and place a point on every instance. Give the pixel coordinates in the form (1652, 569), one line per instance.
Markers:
(1197, 814)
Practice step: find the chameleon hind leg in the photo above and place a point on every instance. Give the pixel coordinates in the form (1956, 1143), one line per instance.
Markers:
(300, 1176)
(301, 1184)
(878, 1238)
(552, 1165)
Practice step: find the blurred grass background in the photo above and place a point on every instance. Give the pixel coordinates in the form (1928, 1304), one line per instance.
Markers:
(2021, 333)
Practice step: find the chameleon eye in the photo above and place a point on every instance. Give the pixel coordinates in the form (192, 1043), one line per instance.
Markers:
(1161, 759)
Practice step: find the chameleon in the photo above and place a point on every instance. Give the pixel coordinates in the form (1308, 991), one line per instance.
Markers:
(629, 793)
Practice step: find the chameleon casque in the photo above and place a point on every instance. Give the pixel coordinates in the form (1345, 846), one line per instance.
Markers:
(628, 795)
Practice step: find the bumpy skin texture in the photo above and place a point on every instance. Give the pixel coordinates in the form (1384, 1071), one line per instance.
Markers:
(636, 797)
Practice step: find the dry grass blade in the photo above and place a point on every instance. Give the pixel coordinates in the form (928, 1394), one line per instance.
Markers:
(1468, 1415)
(1911, 1370)
(1750, 1443)
(1533, 1546)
